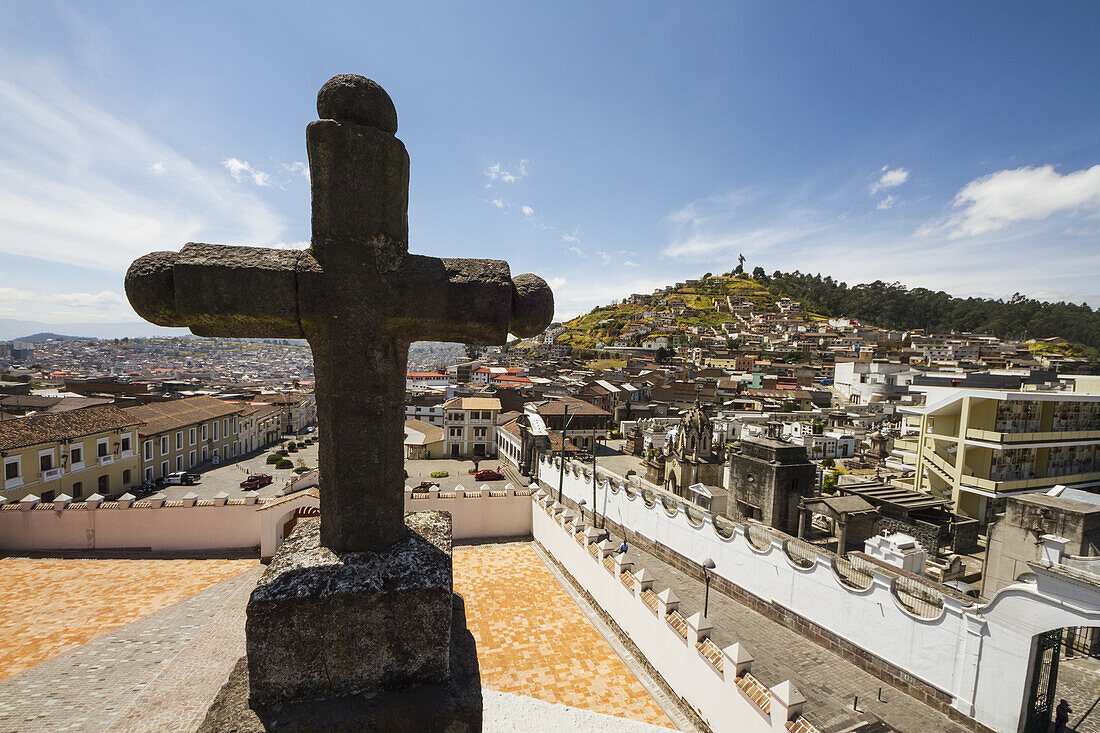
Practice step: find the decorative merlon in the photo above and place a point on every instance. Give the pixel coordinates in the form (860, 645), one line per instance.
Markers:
(93, 501)
(156, 500)
(126, 500)
(737, 660)
(250, 497)
(189, 498)
(786, 705)
(220, 498)
(28, 502)
(62, 501)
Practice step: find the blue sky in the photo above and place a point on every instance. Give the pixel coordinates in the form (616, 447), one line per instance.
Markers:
(611, 148)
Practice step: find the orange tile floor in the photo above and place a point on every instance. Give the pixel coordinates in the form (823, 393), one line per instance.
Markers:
(53, 605)
(533, 640)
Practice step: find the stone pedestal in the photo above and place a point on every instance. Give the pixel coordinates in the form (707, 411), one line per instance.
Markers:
(355, 641)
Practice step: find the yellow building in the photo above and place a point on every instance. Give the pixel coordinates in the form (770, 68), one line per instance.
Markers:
(77, 452)
(180, 434)
(469, 427)
(977, 446)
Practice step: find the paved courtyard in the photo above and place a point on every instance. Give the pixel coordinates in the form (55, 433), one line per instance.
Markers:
(137, 645)
(533, 640)
(54, 605)
(1079, 684)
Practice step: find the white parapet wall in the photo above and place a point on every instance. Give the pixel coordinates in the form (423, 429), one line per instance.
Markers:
(973, 657)
(717, 683)
(190, 524)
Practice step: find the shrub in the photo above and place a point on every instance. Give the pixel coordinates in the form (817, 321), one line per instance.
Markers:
(290, 445)
(631, 472)
(281, 452)
(273, 459)
(292, 448)
(440, 474)
(302, 469)
(284, 463)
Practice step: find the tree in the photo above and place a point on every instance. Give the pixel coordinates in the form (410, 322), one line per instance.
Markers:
(664, 354)
(759, 274)
(473, 351)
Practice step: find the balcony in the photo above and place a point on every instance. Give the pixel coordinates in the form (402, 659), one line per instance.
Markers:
(51, 474)
(106, 460)
(992, 436)
(127, 454)
(78, 466)
(13, 483)
(1047, 482)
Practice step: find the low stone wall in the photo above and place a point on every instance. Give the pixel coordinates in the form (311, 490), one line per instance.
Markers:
(717, 683)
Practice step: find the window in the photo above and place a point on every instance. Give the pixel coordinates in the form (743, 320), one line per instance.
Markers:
(149, 474)
(191, 437)
(126, 476)
(191, 459)
(479, 432)
(225, 427)
(164, 445)
(101, 447)
(179, 463)
(204, 431)
(78, 489)
(214, 425)
(147, 450)
(45, 461)
(163, 469)
(204, 454)
(179, 440)
(456, 432)
(104, 484)
(76, 455)
(12, 469)
(125, 443)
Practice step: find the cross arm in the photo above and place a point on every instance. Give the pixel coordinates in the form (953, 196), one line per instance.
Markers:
(468, 300)
(218, 290)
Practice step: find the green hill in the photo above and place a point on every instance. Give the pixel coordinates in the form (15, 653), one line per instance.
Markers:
(606, 323)
(885, 305)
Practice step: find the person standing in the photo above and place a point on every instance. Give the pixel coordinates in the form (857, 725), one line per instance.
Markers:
(1061, 716)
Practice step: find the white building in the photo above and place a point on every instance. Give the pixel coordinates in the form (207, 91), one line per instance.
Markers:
(862, 382)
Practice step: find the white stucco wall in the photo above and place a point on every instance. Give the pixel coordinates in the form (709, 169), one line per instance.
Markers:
(979, 656)
(713, 694)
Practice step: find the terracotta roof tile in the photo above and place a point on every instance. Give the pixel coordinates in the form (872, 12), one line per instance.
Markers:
(52, 426)
(163, 416)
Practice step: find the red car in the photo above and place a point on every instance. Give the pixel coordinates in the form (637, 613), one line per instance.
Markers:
(256, 480)
(488, 475)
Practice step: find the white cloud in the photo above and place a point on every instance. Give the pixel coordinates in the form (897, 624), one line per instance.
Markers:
(605, 258)
(157, 169)
(241, 171)
(1006, 197)
(891, 178)
(577, 251)
(297, 167)
(75, 184)
(497, 172)
(106, 300)
(567, 237)
(499, 203)
(628, 263)
(528, 212)
(886, 203)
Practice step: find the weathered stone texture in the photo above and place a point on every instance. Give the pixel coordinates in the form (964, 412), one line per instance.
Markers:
(357, 296)
(323, 624)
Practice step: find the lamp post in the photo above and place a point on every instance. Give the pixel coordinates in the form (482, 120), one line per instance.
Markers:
(564, 424)
(708, 565)
(580, 508)
(595, 480)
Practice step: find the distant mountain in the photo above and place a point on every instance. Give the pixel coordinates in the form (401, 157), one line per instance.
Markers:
(13, 329)
(34, 338)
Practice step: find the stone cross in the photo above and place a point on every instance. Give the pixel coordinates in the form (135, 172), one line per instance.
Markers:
(357, 296)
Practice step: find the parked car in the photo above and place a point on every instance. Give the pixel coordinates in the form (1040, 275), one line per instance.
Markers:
(256, 480)
(488, 475)
(181, 478)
